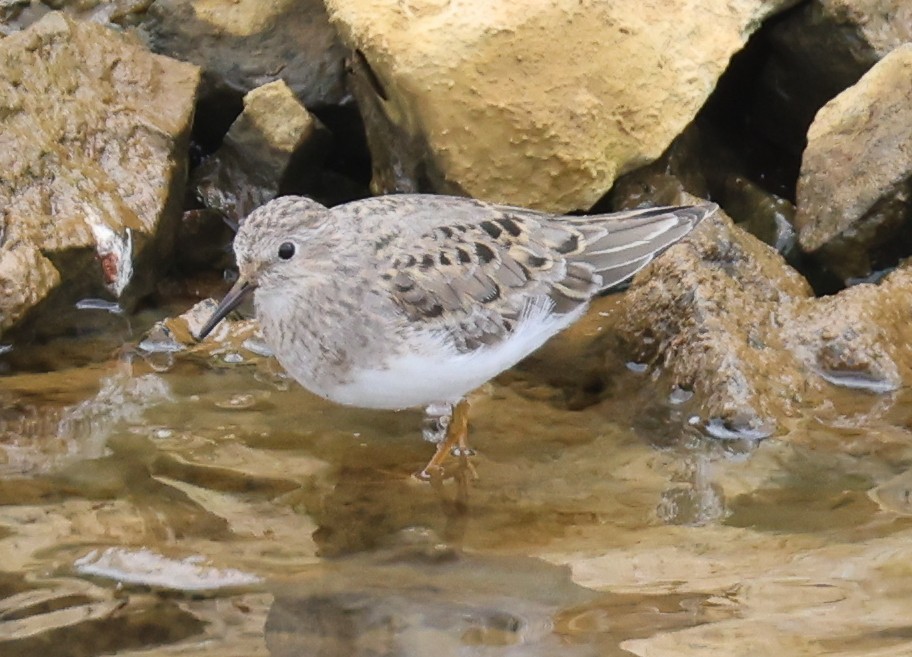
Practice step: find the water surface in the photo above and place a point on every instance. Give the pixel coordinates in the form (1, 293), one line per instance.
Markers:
(179, 505)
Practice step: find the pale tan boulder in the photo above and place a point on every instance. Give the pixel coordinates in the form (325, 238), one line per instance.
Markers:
(275, 140)
(856, 173)
(536, 104)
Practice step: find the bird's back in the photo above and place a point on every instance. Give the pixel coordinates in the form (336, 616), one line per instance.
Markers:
(455, 259)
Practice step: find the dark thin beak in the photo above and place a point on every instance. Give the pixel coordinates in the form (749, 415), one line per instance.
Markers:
(231, 301)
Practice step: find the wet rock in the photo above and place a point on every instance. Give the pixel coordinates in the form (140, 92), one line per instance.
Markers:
(856, 175)
(17, 15)
(648, 186)
(203, 241)
(724, 317)
(709, 312)
(764, 215)
(858, 338)
(243, 45)
(231, 342)
(275, 141)
(894, 495)
(146, 567)
(12, 14)
(817, 51)
(95, 131)
(680, 171)
(26, 278)
(553, 120)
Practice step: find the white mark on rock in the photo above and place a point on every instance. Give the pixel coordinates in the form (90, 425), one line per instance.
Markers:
(114, 251)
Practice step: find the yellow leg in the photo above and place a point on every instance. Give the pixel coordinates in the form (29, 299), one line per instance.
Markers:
(454, 443)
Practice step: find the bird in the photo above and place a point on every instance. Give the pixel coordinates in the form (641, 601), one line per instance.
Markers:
(416, 300)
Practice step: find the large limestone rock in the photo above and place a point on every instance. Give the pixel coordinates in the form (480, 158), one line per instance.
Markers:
(535, 104)
(94, 131)
(856, 175)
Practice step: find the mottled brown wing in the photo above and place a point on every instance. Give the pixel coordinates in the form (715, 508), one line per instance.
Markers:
(480, 276)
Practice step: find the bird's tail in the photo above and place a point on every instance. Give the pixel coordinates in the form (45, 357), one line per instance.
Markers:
(618, 245)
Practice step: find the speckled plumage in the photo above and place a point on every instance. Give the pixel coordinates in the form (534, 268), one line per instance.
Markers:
(411, 300)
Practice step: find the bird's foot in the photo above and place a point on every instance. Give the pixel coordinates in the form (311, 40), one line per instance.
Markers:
(453, 444)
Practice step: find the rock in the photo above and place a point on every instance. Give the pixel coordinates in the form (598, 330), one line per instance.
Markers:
(95, 132)
(178, 334)
(722, 316)
(764, 215)
(708, 313)
(244, 44)
(16, 15)
(856, 174)
(817, 51)
(858, 338)
(680, 171)
(12, 14)
(203, 241)
(26, 278)
(502, 105)
(274, 140)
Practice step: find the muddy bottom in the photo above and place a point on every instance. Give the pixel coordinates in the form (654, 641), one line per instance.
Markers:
(175, 506)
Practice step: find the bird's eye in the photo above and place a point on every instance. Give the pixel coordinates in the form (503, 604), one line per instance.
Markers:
(286, 250)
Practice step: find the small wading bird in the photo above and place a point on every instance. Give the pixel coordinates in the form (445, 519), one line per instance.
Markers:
(416, 300)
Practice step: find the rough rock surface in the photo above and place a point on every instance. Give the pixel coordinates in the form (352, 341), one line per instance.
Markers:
(94, 134)
(728, 320)
(273, 139)
(500, 104)
(766, 216)
(709, 312)
(26, 278)
(503, 106)
(855, 189)
(244, 44)
(819, 50)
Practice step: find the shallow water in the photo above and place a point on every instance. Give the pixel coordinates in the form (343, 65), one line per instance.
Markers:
(183, 506)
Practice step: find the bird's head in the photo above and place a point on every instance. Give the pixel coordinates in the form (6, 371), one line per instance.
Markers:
(267, 248)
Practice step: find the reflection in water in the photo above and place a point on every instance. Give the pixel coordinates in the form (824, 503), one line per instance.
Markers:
(433, 600)
(128, 487)
(37, 438)
(151, 569)
(895, 495)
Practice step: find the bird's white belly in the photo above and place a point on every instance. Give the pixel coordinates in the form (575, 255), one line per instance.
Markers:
(415, 380)
(425, 376)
